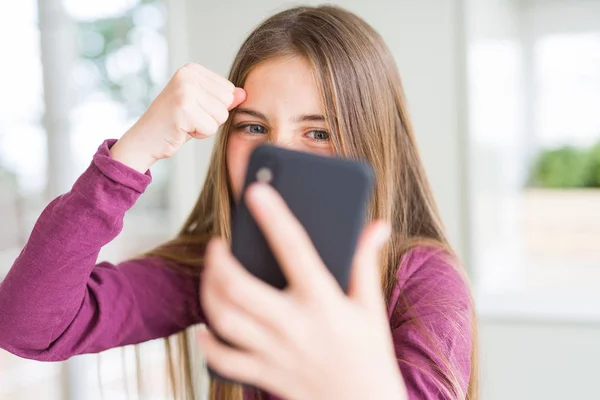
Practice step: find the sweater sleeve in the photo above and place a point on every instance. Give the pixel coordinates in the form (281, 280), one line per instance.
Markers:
(56, 302)
(431, 315)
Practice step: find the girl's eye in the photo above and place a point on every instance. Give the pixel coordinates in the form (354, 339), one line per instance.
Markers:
(253, 129)
(319, 136)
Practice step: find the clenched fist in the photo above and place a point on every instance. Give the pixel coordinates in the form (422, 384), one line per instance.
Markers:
(193, 104)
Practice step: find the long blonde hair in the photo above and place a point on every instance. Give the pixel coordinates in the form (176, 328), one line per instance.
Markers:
(367, 115)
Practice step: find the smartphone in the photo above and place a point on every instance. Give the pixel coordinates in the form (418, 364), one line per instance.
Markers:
(328, 195)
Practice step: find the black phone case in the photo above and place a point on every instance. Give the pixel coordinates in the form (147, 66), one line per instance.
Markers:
(328, 195)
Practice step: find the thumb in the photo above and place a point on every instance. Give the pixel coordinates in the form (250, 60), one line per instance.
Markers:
(239, 95)
(364, 285)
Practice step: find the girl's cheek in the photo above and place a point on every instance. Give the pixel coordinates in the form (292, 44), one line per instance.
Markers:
(237, 155)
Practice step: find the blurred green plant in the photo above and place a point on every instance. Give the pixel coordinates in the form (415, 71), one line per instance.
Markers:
(567, 167)
(594, 155)
(119, 63)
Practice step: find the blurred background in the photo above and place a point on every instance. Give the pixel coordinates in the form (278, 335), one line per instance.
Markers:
(505, 98)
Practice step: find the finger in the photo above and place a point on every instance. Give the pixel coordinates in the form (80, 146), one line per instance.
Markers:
(236, 327)
(213, 106)
(229, 362)
(365, 283)
(221, 93)
(239, 96)
(226, 317)
(245, 367)
(234, 285)
(230, 97)
(220, 80)
(203, 74)
(199, 124)
(291, 245)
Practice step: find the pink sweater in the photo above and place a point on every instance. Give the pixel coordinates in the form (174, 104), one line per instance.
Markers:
(57, 301)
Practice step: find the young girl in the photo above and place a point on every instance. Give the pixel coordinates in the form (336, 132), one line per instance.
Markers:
(315, 79)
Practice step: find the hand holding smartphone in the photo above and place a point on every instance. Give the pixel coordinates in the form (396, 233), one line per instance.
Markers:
(327, 195)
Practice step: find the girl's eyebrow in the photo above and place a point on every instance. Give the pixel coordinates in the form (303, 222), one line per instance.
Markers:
(297, 119)
(309, 118)
(252, 113)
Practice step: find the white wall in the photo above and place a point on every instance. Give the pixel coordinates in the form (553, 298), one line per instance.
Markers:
(549, 361)
(549, 16)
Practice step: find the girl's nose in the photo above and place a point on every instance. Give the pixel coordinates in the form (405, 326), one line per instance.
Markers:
(283, 139)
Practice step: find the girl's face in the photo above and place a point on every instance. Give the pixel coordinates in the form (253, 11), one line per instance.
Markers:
(283, 107)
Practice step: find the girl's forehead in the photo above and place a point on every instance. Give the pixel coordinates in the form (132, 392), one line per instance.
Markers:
(283, 83)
